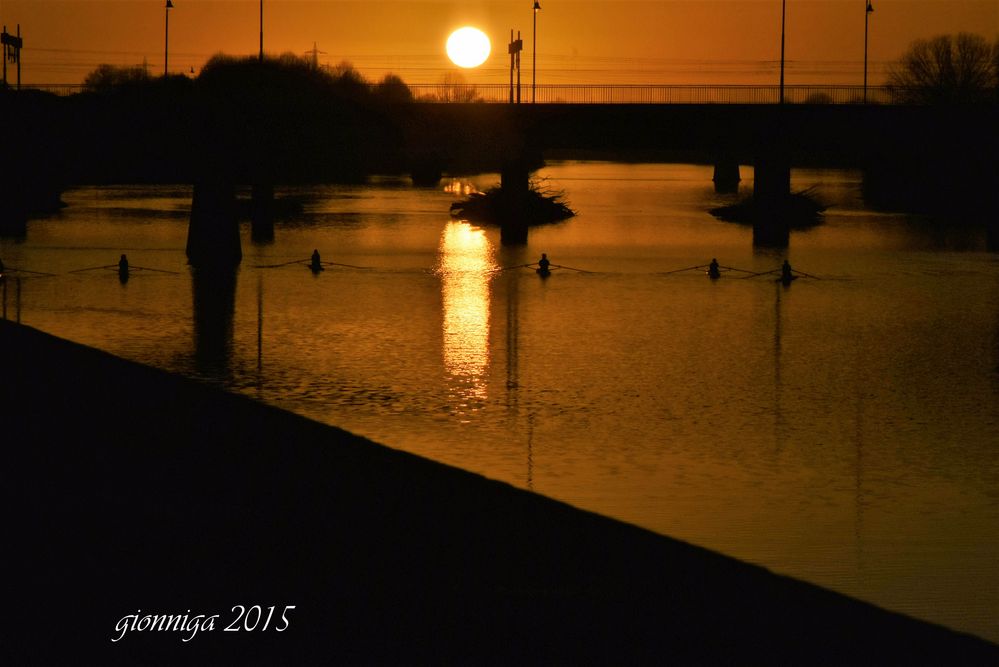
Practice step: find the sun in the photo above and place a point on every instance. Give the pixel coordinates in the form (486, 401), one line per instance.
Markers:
(468, 47)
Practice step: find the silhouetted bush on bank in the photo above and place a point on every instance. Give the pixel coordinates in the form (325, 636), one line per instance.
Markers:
(949, 168)
(34, 157)
(279, 120)
(282, 119)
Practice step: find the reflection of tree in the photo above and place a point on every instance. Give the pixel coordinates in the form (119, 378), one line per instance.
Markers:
(454, 89)
(959, 68)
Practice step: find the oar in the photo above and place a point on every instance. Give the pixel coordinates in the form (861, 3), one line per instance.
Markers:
(349, 266)
(559, 266)
(95, 268)
(507, 268)
(147, 268)
(37, 273)
(274, 266)
(732, 268)
(762, 273)
(807, 275)
(689, 268)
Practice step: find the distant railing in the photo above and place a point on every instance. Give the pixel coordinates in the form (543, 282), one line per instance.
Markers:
(656, 94)
(553, 93)
(57, 88)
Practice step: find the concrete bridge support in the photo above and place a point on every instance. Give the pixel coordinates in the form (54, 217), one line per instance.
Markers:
(726, 177)
(515, 180)
(771, 198)
(213, 235)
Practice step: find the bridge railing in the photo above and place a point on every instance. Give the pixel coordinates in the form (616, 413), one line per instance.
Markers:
(628, 94)
(656, 94)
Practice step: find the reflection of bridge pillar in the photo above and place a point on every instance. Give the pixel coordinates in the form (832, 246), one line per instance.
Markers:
(262, 213)
(771, 197)
(514, 187)
(213, 235)
(214, 305)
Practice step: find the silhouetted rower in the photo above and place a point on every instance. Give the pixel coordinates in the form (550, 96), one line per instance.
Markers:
(543, 265)
(316, 263)
(786, 275)
(713, 271)
(123, 269)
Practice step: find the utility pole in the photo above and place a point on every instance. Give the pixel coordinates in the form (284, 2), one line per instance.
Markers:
(12, 52)
(783, 7)
(166, 37)
(514, 49)
(534, 49)
(867, 14)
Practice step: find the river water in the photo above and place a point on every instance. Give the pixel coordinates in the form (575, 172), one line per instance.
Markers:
(843, 430)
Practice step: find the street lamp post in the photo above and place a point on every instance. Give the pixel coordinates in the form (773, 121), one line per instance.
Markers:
(783, 6)
(261, 31)
(166, 37)
(867, 14)
(534, 49)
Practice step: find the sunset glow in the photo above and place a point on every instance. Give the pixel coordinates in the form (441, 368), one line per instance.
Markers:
(623, 41)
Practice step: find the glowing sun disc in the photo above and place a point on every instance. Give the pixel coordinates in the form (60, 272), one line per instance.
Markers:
(468, 47)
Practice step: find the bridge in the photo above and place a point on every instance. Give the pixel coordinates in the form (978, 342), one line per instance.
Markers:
(586, 93)
(262, 138)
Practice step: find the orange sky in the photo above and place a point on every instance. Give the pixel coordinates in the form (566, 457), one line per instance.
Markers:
(612, 41)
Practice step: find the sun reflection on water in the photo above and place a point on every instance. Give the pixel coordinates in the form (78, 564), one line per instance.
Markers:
(464, 265)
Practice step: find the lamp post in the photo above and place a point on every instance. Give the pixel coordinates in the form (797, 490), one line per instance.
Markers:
(783, 6)
(534, 49)
(166, 37)
(261, 31)
(867, 14)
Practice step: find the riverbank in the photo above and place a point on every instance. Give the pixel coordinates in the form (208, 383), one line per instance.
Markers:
(129, 491)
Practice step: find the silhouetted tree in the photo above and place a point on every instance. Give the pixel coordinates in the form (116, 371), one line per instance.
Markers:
(947, 69)
(348, 82)
(108, 77)
(282, 119)
(454, 89)
(393, 89)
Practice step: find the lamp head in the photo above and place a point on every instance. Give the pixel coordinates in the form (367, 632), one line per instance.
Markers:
(537, 6)
(870, 7)
(169, 4)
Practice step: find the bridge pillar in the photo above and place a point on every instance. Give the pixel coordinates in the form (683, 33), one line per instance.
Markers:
(726, 177)
(262, 213)
(771, 198)
(213, 234)
(426, 171)
(515, 183)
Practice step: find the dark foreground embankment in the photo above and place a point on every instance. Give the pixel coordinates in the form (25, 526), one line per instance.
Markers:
(130, 491)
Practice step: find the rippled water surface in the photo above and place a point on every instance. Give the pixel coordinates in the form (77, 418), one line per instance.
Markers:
(842, 430)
